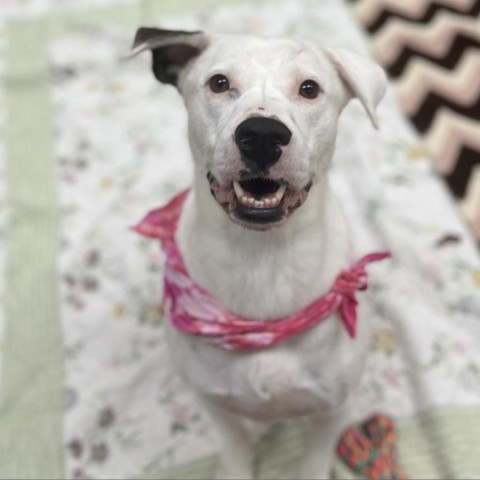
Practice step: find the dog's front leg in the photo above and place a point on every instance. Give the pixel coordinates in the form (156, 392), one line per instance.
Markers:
(236, 449)
(324, 433)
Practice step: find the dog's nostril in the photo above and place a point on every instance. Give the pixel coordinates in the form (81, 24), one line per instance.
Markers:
(281, 139)
(246, 140)
(282, 136)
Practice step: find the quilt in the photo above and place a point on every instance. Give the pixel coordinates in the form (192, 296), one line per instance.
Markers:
(89, 142)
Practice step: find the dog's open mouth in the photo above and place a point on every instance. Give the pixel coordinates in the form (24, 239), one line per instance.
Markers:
(258, 202)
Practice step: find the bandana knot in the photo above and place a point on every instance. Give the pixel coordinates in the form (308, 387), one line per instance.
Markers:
(349, 282)
(193, 310)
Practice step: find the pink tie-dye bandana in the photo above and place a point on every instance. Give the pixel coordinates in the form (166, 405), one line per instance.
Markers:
(193, 310)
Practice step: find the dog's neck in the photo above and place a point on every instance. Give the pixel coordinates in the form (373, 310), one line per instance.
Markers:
(270, 274)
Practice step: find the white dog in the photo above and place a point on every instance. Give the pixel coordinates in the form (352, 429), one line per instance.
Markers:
(261, 231)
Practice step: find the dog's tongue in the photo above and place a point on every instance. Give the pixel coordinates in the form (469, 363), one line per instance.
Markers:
(259, 187)
(259, 193)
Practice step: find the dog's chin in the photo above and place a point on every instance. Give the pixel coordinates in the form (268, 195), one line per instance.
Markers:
(255, 218)
(258, 203)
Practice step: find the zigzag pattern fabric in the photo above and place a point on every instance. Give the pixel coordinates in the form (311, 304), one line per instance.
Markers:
(431, 51)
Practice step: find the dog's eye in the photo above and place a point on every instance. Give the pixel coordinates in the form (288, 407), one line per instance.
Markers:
(219, 83)
(309, 89)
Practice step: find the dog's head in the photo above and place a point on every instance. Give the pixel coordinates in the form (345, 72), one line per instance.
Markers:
(262, 113)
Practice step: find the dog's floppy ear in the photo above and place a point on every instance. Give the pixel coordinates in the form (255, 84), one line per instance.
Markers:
(171, 50)
(366, 80)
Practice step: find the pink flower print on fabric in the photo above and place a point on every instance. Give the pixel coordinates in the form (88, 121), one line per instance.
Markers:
(193, 310)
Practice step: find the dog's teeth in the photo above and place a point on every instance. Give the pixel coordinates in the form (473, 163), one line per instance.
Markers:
(272, 200)
(280, 192)
(238, 190)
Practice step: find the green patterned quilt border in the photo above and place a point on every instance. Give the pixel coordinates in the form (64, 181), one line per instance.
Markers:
(31, 394)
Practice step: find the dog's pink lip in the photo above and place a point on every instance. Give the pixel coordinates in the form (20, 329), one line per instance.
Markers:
(258, 218)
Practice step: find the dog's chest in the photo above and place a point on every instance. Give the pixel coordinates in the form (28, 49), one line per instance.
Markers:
(314, 370)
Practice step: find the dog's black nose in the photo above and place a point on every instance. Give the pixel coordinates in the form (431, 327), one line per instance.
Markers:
(259, 140)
